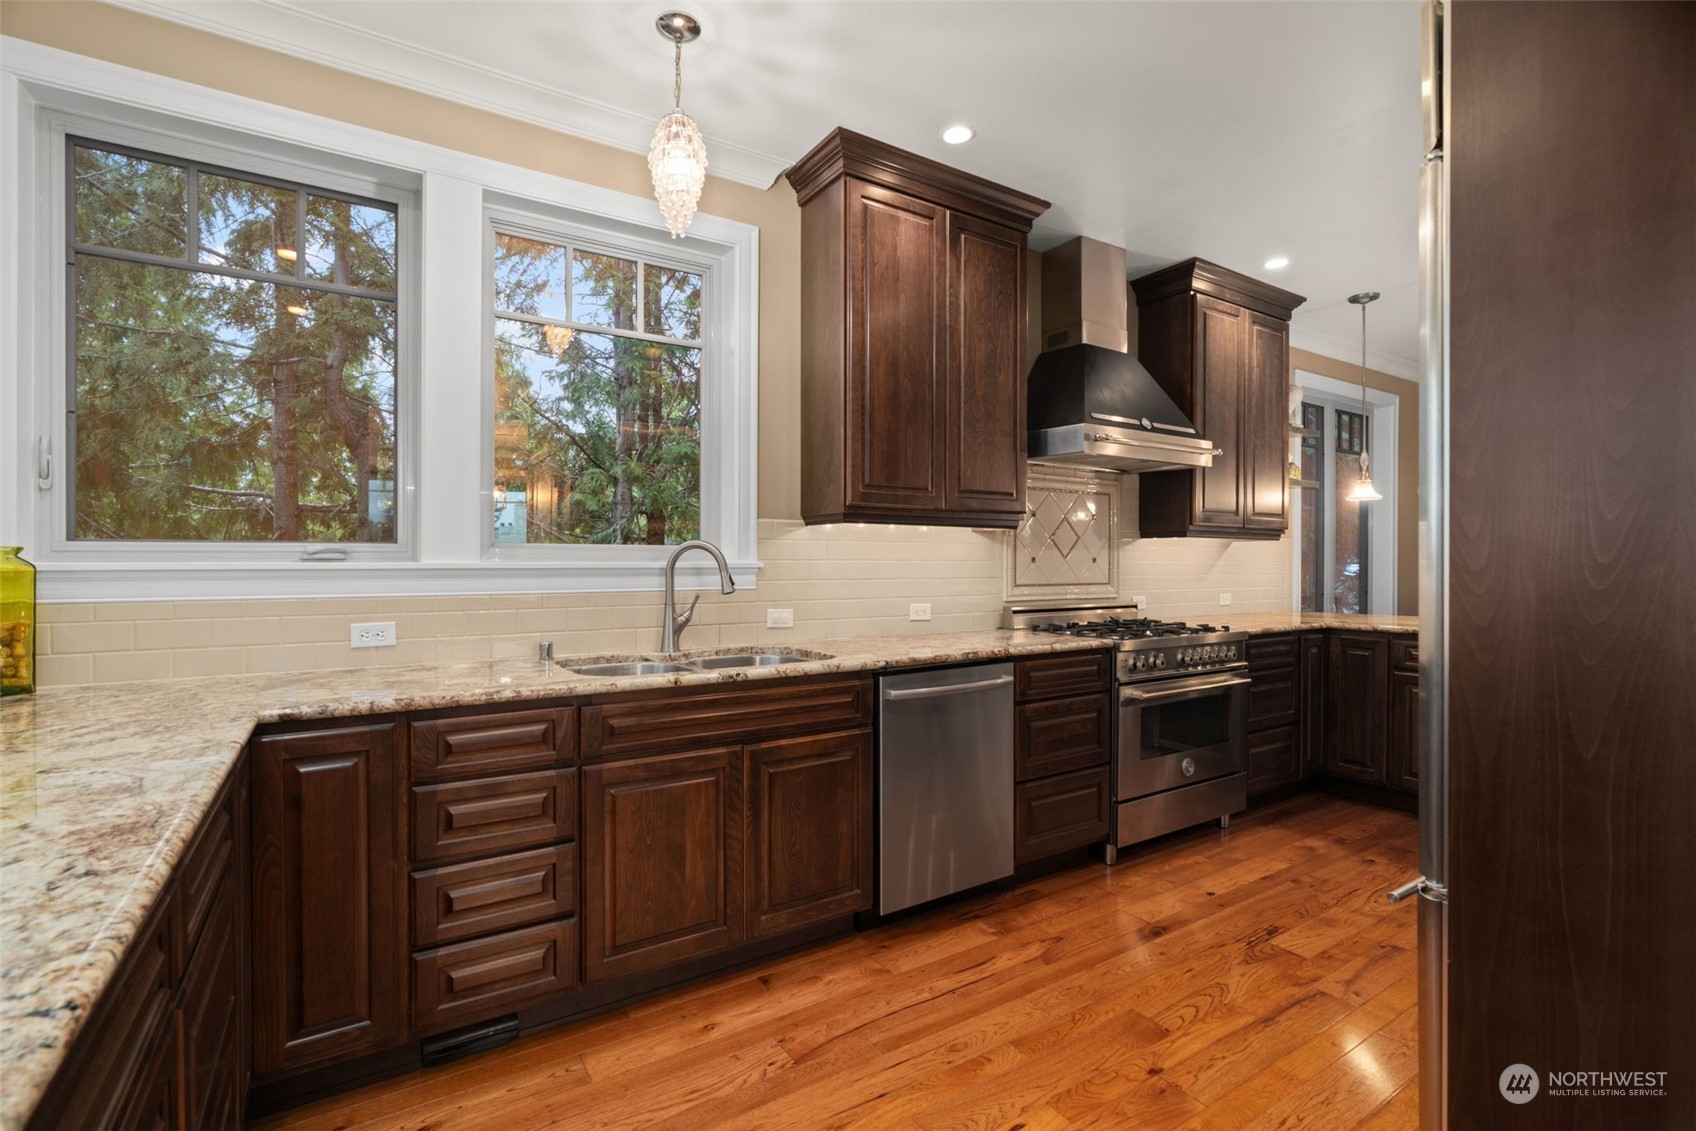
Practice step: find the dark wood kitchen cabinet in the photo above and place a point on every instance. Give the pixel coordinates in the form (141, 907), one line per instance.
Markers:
(494, 922)
(809, 851)
(722, 816)
(1274, 716)
(164, 1046)
(1402, 762)
(329, 896)
(662, 854)
(1358, 679)
(913, 338)
(1218, 343)
(1062, 743)
(1313, 648)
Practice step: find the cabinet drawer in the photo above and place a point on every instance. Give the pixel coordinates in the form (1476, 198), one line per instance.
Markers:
(453, 985)
(1272, 698)
(1058, 813)
(1274, 759)
(461, 900)
(1274, 648)
(1404, 652)
(1060, 735)
(210, 1017)
(493, 743)
(112, 1074)
(1073, 673)
(778, 710)
(203, 868)
(493, 815)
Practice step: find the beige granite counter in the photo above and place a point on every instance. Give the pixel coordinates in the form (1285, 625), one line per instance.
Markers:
(102, 787)
(1259, 623)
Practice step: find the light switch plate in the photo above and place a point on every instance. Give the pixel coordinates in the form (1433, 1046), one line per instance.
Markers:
(377, 634)
(780, 618)
(918, 610)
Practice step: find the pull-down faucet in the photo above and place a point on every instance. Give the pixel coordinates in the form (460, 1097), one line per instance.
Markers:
(675, 624)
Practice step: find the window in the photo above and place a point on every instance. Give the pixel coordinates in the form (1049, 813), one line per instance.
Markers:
(232, 361)
(1344, 551)
(597, 396)
(191, 413)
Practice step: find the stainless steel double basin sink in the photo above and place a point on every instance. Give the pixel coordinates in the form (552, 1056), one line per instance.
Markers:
(687, 664)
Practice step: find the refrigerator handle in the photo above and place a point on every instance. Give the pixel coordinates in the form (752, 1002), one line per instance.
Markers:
(1430, 889)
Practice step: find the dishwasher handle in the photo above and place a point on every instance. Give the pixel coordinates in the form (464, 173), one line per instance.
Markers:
(896, 696)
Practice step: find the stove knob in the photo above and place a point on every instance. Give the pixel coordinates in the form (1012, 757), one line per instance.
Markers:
(1139, 662)
(1160, 660)
(1183, 655)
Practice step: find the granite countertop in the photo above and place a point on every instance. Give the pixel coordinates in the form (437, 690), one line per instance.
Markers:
(1260, 623)
(101, 789)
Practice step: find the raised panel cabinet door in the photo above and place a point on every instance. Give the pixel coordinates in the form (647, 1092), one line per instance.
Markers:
(985, 416)
(1221, 335)
(1266, 431)
(1404, 730)
(897, 279)
(662, 860)
(329, 896)
(1358, 677)
(809, 830)
(1311, 721)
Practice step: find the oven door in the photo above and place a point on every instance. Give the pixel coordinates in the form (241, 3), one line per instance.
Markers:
(1181, 731)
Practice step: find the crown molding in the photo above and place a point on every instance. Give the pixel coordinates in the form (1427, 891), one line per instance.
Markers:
(1348, 352)
(318, 38)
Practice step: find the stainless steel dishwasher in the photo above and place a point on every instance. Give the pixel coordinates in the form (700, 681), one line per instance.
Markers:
(945, 782)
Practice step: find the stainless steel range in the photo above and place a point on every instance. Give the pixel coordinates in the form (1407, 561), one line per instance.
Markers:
(1181, 748)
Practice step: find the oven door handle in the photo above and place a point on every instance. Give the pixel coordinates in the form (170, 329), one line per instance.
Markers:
(1181, 690)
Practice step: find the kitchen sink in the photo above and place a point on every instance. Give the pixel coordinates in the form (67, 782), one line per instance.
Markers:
(728, 660)
(745, 660)
(643, 667)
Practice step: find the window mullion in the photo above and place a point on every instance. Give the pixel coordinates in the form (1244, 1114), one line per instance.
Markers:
(191, 253)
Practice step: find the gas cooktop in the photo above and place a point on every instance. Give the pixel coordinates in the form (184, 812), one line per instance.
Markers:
(1161, 648)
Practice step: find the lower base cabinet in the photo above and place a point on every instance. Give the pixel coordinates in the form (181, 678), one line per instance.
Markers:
(1059, 813)
(329, 896)
(662, 849)
(164, 1047)
(809, 855)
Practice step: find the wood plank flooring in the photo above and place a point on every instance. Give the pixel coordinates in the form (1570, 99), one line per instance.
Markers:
(1249, 978)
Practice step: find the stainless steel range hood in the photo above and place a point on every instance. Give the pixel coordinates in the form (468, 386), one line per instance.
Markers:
(1089, 402)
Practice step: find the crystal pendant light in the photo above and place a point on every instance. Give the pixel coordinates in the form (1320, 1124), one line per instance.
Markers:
(677, 157)
(1363, 491)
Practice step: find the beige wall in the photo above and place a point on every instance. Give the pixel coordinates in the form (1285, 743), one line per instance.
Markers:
(1407, 464)
(842, 580)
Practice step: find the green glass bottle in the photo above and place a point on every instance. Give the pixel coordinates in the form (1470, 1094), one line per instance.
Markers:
(17, 623)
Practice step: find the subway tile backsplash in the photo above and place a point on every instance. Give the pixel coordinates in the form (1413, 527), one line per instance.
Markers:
(846, 580)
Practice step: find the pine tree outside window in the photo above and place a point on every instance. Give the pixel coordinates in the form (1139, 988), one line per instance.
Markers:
(233, 355)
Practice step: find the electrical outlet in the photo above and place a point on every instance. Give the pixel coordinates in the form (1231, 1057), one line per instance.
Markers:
(918, 610)
(780, 618)
(1224, 598)
(378, 634)
(1140, 602)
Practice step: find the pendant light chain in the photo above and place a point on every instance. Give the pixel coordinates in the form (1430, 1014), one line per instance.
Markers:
(677, 81)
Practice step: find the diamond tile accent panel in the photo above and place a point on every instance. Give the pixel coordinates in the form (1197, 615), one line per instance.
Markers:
(1063, 541)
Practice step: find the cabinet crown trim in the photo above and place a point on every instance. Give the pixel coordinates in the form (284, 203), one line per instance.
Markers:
(846, 153)
(1198, 276)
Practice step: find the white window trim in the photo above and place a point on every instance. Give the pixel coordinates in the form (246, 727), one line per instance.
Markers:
(450, 486)
(1383, 408)
(718, 332)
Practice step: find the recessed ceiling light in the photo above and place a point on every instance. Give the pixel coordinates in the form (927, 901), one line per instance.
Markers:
(958, 135)
(1277, 263)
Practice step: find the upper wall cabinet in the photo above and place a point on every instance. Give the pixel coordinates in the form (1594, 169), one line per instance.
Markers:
(1219, 344)
(912, 338)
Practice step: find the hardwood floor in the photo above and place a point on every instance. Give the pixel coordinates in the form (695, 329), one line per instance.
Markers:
(1245, 978)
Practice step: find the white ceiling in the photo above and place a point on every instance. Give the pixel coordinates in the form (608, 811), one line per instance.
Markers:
(1233, 131)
